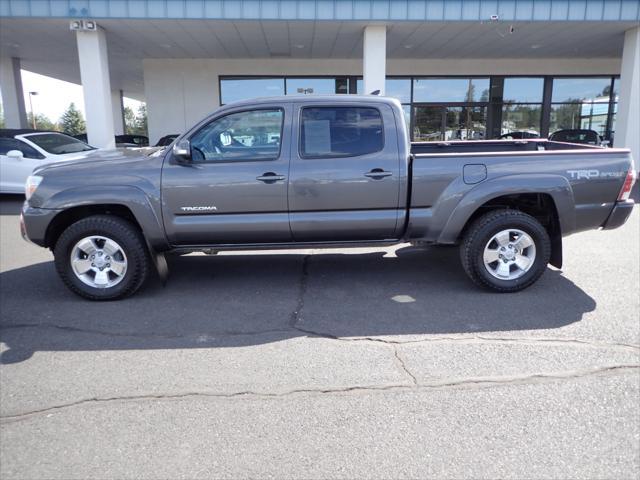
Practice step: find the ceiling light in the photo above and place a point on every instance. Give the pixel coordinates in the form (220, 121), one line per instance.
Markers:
(299, 45)
(410, 45)
(164, 45)
(536, 46)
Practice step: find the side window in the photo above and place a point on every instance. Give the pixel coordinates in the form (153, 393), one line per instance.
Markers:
(7, 144)
(340, 131)
(250, 135)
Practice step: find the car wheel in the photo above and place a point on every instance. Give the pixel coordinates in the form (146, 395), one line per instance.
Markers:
(505, 250)
(102, 257)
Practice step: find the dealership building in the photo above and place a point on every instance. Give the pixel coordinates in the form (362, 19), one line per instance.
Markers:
(462, 69)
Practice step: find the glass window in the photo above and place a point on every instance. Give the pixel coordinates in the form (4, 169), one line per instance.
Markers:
(406, 109)
(523, 90)
(340, 131)
(8, 144)
(399, 88)
(58, 143)
(521, 120)
(574, 90)
(232, 90)
(251, 135)
(451, 90)
(316, 86)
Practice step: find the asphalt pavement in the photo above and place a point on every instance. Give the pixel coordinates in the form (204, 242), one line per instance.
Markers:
(361, 363)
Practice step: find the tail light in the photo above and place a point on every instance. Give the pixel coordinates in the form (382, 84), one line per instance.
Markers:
(627, 185)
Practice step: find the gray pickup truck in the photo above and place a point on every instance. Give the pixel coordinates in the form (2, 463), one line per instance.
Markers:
(322, 171)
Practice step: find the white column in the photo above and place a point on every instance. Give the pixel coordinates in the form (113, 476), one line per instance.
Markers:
(627, 132)
(118, 112)
(15, 115)
(94, 73)
(374, 58)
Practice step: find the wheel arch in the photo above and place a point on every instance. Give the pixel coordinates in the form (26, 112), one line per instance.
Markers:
(79, 203)
(548, 198)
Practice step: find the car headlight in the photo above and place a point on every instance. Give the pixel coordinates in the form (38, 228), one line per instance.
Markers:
(32, 184)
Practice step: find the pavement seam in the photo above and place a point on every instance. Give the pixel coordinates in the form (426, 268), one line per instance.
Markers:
(471, 382)
(403, 366)
(296, 315)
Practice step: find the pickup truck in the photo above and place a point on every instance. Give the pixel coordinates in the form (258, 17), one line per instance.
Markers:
(322, 171)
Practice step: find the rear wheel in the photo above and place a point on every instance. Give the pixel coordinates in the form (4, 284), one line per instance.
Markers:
(102, 257)
(505, 250)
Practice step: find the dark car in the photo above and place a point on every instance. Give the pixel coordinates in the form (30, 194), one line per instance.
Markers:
(587, 137)
(132, 141)
(122, 140)
(167, 140)
(518, 135)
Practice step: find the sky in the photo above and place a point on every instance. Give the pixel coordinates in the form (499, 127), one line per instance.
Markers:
(54, 96)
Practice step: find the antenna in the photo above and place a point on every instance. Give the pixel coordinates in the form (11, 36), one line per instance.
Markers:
(375, 92)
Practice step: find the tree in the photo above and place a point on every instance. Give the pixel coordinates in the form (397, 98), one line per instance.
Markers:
(42, 122)
(129, 120)
(72, 122)
(141, 120)
(136, 124)
(1, 116)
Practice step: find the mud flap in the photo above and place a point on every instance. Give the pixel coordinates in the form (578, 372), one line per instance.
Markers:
(161, 266)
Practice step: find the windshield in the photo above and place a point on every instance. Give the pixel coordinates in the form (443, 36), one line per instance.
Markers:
(59, 144)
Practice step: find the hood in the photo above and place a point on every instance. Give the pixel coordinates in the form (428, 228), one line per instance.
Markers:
(95, 158)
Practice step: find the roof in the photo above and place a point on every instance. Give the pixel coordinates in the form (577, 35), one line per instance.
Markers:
(12, 132)
(342, 98)
(342, 10)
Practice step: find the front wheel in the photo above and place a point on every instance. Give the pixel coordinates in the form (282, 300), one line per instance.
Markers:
(102, 257)
(505, 250)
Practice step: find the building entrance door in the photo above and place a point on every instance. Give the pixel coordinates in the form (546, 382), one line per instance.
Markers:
(438, 123)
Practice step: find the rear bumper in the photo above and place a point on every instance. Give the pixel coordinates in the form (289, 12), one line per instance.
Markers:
(34, 223)
(618, 215)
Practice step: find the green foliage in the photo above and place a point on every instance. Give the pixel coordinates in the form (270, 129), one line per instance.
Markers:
(42, 122)
(136, 123)
(1, 116)
(72, 121)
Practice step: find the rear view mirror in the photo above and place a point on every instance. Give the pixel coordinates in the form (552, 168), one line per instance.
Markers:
(182, 149)
(15, 154)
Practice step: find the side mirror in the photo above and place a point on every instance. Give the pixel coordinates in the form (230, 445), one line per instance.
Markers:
(182, 150)
(15, 154)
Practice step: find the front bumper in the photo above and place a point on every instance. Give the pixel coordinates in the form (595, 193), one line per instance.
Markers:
(34, 223)
(618, 215)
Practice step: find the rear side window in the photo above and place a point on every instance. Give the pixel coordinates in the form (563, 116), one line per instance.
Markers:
(340, 131)
(8, 144)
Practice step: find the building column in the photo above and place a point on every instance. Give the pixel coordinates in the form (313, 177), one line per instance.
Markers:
(96, 86)
(628, 117)
(119, 127)
(374, 58)
(15, 115)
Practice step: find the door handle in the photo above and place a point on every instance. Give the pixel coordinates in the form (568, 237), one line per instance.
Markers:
(270, 177)
(378, 173)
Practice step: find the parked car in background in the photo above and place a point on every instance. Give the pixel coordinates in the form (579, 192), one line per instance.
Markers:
(587, 137)
(519, 135)
(167, 140)
(23, 150)
(123, 141)
(132, 141)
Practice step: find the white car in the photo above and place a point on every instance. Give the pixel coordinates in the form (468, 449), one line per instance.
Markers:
(23, 150)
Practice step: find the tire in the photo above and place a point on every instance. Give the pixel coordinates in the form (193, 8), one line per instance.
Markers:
(484, 240)
(101, 235)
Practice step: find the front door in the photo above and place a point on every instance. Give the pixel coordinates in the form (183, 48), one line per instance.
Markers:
(234, 189)
(346, 174)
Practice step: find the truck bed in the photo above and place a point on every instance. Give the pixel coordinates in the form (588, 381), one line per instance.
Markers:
(494, 146)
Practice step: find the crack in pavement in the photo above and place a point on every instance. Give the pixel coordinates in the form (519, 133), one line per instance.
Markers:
(471, 382)
(302, 291)
(403, 366)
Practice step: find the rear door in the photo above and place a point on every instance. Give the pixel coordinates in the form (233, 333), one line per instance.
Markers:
(234, 190)
(345, 173)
